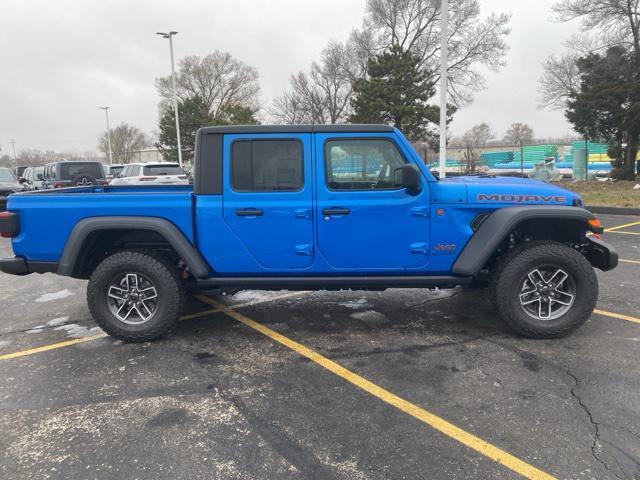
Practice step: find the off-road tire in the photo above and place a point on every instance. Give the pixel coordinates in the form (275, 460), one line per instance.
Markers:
(166, 281)
(511, 271)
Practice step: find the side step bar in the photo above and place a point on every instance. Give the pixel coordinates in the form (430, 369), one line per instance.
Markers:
(332, 283)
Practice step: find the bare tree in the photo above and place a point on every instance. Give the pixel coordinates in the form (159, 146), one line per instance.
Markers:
(560, 79)
(125, 140)
(475, 137)
(414, 25)
(605, 24)
(323, 94)
(221, 80)
(608, 22)
(519, 134)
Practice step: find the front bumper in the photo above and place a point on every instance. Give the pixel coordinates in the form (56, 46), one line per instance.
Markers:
(600, 254)
(20, 266)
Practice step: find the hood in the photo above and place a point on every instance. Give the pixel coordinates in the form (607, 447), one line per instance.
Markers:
(15, 186)
(515, 190)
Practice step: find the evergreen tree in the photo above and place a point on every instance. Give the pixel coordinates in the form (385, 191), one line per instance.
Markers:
(396, 92)
(607, 105)
(194, 114)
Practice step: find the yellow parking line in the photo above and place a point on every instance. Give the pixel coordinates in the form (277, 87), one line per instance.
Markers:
(618, 227)
(617, 315)
(624, 260)
(75, 341)
(488, 450)
(53, 346)
(624, 233)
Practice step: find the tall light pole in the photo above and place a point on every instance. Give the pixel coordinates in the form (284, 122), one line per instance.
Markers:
(444, 53)
(13, 144)
(106, 112)
(175, 93)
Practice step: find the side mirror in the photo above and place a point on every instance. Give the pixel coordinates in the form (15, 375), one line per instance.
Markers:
(409, 178)
(40, 177)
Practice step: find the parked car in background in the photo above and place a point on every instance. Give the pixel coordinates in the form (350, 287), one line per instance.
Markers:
(69, 174)
(33, 177)
(20, 170)
(8, 184)
(163, 173)
(113, 171)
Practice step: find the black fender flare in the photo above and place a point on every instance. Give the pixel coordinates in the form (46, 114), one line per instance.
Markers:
(81, 231)
(494, 229)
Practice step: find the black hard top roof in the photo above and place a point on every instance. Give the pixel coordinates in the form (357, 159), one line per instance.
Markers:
(354, 128)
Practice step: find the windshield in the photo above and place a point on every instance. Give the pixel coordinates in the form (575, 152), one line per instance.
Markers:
(163, 170)
(38, 173)
(71, 170)
(6, 176)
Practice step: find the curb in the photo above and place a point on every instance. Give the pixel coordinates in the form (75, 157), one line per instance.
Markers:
(613, 210)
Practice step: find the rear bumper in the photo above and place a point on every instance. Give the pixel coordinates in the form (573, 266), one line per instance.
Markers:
(20, 266)
(601, 255)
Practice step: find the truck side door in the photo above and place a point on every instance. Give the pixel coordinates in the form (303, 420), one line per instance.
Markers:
(366, 222)
(268, 195)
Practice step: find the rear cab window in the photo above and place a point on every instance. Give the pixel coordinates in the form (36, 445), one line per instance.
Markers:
(267, 165)
(69, 171)
(163, 170)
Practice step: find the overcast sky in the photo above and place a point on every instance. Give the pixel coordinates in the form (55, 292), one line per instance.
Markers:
(60, 60)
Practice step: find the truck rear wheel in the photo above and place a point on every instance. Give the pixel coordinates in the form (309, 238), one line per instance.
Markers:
(545, 289)
(135, 297)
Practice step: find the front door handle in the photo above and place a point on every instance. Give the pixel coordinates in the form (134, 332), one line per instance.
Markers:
(336, 211)
(249, 212)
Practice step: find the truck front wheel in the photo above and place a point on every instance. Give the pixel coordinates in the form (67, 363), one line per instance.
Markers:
(544, 289)
(135, 297)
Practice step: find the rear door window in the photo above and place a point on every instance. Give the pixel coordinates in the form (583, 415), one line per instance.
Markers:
(69, 171)
(163, 170)
(267, 165)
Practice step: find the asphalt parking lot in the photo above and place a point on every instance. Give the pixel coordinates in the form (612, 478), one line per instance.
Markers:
(401, 384)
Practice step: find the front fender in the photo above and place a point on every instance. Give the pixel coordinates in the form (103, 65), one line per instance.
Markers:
(500, 223)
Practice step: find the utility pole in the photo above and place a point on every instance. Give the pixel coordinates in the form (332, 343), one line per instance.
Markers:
(521, 159)
(106, 112)
(444, 52)
(175, 93)
(13, 145)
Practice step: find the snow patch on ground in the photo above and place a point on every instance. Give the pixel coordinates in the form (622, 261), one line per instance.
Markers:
(36, 329)
(74, 330)
(4, 343)
(47, 297)
(251, 295)
(356, 304)
(370, 316)
(57, 321)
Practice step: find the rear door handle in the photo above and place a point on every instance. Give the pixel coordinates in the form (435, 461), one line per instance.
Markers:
(336, 211)
(249, 212)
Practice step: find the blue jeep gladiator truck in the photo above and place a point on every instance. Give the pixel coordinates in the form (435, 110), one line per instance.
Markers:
(312, 207)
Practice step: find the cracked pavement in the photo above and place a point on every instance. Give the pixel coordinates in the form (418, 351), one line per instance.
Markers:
(218, 400)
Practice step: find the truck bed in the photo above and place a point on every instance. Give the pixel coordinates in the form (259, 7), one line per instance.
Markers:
(64, 207)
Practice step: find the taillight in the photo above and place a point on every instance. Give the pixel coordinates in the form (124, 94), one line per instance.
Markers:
(57, 185)
(9, 226)
(147, 179)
